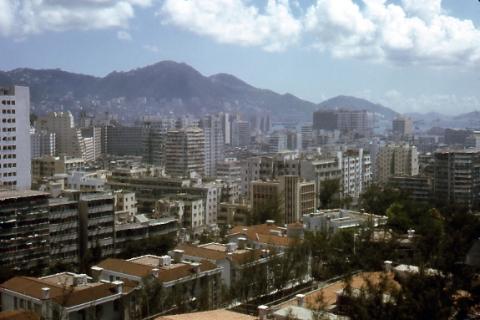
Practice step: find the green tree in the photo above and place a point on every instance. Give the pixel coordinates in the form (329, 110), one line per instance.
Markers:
(329, 190)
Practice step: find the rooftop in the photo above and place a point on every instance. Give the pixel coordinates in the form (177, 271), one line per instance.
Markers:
(13, 194)
(221, 314)
(264, 233)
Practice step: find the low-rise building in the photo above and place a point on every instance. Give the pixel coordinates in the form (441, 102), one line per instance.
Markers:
(189, 283)
(330, 221)
(66, 296)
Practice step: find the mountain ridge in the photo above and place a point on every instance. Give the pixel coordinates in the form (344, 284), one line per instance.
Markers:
(160, 88)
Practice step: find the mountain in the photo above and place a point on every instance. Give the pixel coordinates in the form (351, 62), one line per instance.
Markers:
(160, 88)
(353, 103)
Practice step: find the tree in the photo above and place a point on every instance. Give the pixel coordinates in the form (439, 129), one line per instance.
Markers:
(329, 189)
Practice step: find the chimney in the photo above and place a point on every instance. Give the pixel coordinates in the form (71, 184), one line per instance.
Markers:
(242, 243)
(196, 267)
(388, 265)
(178, 255)
(118, 286)
(300, 300)
(262, 312)
(155, 272)
(96, 272)
(45, 293)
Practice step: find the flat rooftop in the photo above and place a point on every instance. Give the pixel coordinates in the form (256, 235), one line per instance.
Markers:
(14, 194)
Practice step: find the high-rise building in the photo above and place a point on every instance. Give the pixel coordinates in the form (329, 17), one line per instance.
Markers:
(325, 120)
(214, 143)
(92, 139)
(292, 196)
(155, 130)
(402, 127)
(122, 141)
(68, 140)
(355, 122)
(185, 152)
(396, 160)
(356, 171)
(277, 142)
(307, 137)
(457, 177)
(24, 232)
(240, 133)
(15, 152)
(42, 143)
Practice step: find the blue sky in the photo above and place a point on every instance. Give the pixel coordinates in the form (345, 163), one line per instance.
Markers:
(411, 55)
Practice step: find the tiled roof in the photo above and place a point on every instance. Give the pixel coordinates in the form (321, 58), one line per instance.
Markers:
(166, 274)
(210, 315)
(65, 296)
(184, 270)
(126, 267)
(18, 315)
(263, 233)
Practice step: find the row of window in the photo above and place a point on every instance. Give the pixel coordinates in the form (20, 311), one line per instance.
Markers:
(9, 174)
(10, 120)
(8, 102)
(10, 183)
(13, 129)
(9, 147)
(9, 165)
(9, 156)
(8, 111)
(13, 138)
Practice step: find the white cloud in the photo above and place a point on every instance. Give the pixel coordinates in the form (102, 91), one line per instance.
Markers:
(24, 17)
(124, 35)
(236, 21)
(151, 48)
(405, 32)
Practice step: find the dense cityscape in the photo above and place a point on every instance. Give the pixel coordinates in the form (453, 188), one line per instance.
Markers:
(235, 213)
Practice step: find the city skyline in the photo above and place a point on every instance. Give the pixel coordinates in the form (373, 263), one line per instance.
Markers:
(426, 63)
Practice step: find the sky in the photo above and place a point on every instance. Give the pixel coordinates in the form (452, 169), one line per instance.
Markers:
(410, 55)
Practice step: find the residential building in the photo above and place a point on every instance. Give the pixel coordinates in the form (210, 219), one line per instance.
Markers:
(331, 221)
(96, 224)
(63, 227)
(48, 166)
(457, 137)
(185, 152)
(277, 142)
(457, 177)
(125, 206)
(240, 133)
(24, 229)
(15, 150)
(214, 143)
(233, 214)
(87, 181)
(402, 127)
(189, 283)
(66, 296)
(356, 172)
(418, 188)
(92, 139)
(231, 258)
(293, 197)
(266, 236)
(307, 137)
(68, 139)
(325, 120)
(355, 122)
(396, 160)
(123, 141)
(229, 169)
(42, 143)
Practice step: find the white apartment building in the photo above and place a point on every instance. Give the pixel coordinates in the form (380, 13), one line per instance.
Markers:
(214, 143)
(42, 143)
(396, 160)
(356, 171)
(15, 151)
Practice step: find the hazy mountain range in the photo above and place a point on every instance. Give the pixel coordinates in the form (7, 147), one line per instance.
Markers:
(168, 87)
